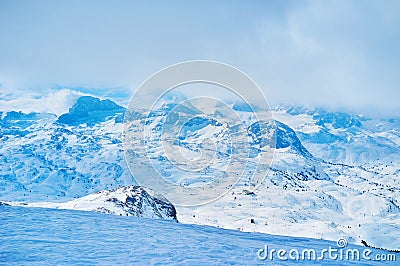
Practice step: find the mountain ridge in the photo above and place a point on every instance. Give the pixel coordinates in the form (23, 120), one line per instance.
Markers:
(340, 189)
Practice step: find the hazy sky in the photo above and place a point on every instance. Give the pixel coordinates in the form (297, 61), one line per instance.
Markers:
(340, 54)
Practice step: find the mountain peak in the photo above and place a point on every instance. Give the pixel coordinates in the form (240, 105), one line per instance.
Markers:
(277, 135)
(91, 110)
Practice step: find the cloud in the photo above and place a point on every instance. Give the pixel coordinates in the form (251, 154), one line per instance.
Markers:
(336, 54)
(56, 102)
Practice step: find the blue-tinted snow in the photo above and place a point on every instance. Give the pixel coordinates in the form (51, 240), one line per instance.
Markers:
(54, 237)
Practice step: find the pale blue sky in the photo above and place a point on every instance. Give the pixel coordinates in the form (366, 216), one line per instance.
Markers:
(339, 54)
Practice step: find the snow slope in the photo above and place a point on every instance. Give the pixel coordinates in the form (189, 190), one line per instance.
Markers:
(37, 236)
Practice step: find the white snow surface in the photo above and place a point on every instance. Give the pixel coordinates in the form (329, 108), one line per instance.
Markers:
(38, 236)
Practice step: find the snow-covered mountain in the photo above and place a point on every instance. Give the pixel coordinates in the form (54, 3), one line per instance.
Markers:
(89, 110)
(43, 159)
(344, 138)
(333, 174)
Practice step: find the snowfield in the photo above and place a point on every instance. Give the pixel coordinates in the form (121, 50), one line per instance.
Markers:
(37, 236)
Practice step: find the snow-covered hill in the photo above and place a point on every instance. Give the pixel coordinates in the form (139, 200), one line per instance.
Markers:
(127, 201)
(333, 174)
